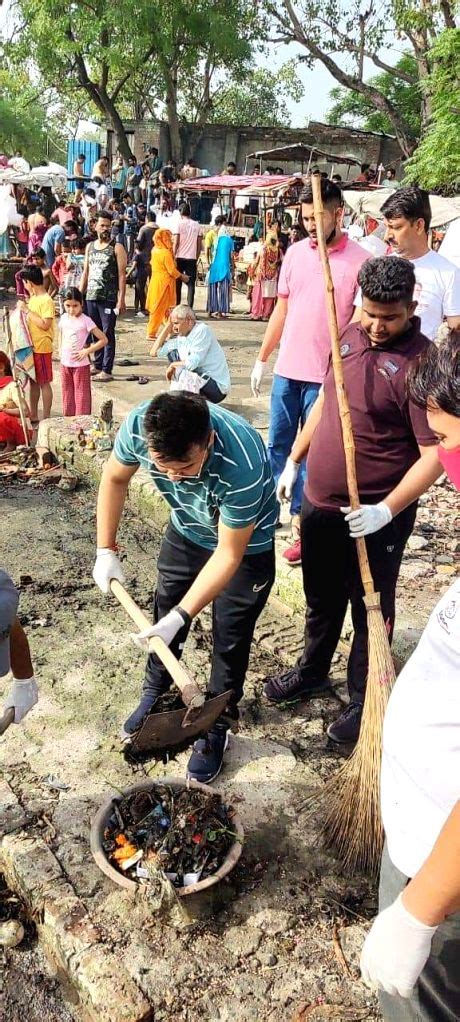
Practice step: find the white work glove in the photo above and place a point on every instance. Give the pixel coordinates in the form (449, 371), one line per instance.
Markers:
(23, 695)
(287, 480)
(367, 518)
(107, 566)
(395, 951)
(257, 375)
(166, 629)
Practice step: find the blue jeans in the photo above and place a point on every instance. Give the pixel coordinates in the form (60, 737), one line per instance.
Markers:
(105, 318)
(290, 404)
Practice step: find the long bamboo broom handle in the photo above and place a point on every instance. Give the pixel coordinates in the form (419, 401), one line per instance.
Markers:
(342, 400)
(20, 396)
(192, 696)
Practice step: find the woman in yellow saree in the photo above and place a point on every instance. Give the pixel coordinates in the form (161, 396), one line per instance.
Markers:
(161, 294)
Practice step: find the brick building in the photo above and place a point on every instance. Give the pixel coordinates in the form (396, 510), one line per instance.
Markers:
(220, 143)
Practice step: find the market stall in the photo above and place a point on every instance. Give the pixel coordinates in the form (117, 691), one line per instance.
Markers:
(304, 155)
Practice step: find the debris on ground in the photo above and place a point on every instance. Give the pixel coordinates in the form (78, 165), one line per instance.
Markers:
(15, 924)
(184, 833)
(36, 467)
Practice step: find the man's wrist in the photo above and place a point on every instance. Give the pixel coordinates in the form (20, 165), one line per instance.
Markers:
(184, 615)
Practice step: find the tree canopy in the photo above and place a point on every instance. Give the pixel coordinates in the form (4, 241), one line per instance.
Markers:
(436, 162)
(26, 122)
(357, 110)
(259, 99)
(345, 36)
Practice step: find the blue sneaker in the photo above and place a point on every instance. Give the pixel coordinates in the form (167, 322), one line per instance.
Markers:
(206, 760)
(345, 730)
(137, 717)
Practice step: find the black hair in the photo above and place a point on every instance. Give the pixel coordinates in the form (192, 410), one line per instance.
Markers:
(70, 225)
(387, 279)
(174, 422)
(184, 209)
(191, 162)
(72, 294)
(82, 156)
(364, 166)
(102, 215)
(336, 177)
(330, 193)
(153, 149)
(40, 252)
(33, 274)
(412, 203)
(324, 175)
(231, 163)
(391, 170)
(435, 378)
(218, 220)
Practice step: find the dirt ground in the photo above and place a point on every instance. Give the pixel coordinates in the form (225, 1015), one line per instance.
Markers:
(289, 925)
(290, 912)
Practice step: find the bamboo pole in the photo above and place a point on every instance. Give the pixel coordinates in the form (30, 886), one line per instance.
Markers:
(350, 801)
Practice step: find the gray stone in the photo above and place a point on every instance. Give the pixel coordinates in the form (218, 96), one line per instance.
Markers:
(454, 545)
(414, 569)
(242, 941)
(266, 958)
(417, 542)
(273, 921)
(444, 559)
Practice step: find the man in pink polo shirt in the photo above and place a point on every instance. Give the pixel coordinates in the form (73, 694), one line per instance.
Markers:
(299, 325)
(187, 247)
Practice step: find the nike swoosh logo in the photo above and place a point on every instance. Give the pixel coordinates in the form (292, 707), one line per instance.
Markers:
(257, 589)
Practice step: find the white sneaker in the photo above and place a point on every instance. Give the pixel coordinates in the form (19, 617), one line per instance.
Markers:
(140, 315)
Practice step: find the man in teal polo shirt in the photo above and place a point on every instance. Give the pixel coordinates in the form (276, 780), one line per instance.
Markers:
(212, 469)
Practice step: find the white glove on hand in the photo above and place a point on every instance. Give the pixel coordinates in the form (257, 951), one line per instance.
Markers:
(366, 519)
(107, 566)
(166, 629)
(395, 951)
(287, 480)
(23, 695)
(257, 375)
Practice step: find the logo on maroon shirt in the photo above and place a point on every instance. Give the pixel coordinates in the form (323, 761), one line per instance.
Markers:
(344, 349)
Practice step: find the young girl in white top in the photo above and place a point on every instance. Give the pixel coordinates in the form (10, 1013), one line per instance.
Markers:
(74, 328)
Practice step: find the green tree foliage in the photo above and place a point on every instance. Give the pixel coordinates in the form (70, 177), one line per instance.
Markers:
(26, 122)
(352, 108)
(436, 162)
(259, 99)
(347, 35)
(141, 54)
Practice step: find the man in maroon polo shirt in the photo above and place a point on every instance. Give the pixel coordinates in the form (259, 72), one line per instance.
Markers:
(396, 461)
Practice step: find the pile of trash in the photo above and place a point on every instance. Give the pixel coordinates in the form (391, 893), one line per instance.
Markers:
(36, 467)
(183, 832)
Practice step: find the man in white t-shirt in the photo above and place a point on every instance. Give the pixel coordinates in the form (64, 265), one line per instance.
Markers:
(407, 214)
(412, 952)
(187, 247)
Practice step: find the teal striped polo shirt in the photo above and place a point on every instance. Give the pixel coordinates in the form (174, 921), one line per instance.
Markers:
(236, 482)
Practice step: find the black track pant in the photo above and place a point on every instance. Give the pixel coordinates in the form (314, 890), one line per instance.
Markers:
(186, 266)
(234, 612)
(331, 579)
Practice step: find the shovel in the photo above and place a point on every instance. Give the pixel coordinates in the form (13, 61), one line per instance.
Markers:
(171, 730)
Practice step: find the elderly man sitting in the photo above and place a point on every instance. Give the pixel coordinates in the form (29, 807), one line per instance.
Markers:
(197, 361)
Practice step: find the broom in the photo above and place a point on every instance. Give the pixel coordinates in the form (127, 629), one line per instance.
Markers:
(351, 814)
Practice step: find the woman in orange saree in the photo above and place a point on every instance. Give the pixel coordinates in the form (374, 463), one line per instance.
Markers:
(161, 294)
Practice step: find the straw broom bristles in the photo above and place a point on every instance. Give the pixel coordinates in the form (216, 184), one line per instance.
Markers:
(351, 820)
(350, 800)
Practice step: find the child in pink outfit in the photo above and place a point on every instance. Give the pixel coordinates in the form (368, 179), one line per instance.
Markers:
(74, 328)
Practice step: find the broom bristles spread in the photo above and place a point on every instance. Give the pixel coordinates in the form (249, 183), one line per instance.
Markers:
(351, 820)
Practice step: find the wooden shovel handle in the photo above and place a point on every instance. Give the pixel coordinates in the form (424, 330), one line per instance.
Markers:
(342, 400)
(192, 696)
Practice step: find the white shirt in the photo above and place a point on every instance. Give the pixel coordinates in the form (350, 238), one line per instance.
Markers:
(450, 247)
(421, 740)
(437, 291)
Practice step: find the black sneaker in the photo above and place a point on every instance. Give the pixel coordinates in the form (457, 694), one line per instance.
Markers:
(137, 717)
(345, 729)
(206, 760)
(290, 685)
